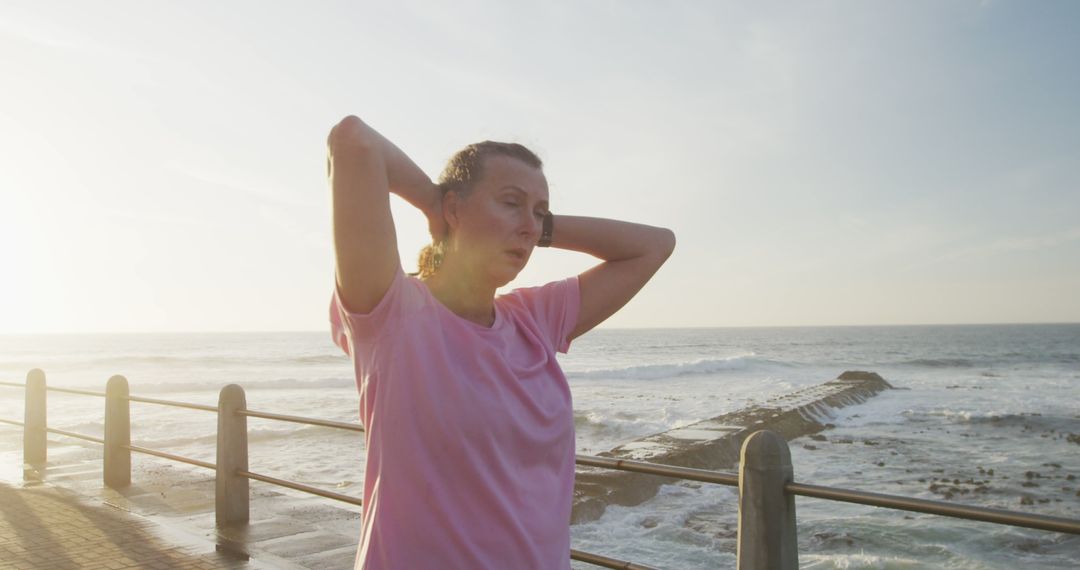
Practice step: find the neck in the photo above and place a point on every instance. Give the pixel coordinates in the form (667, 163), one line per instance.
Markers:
(465, 295)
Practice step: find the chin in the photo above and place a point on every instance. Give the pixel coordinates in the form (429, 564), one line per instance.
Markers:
(500, 276)
(503, 280)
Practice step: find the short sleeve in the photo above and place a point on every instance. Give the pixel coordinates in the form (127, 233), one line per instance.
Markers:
(347, 327)
(555, 308)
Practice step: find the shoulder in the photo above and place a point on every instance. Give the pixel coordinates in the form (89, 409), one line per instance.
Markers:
(406, 297)
(545, 292)
(552, 308)
(415, 291)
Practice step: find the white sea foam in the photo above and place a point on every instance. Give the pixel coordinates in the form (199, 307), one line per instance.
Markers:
(697, 367)
(853, 561)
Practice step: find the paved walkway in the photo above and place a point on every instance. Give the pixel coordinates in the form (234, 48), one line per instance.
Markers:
(45, 527)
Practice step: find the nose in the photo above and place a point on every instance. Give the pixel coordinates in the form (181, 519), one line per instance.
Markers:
(531, 227)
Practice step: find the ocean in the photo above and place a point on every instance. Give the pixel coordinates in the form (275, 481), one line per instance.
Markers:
(983, 415)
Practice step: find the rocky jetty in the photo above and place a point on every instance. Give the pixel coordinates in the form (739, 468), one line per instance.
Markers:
(715, 443)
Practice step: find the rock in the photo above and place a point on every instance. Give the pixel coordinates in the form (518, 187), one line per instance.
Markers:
(715, 444)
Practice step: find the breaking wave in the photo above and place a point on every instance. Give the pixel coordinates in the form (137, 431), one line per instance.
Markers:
(699, 367)
(939, 363)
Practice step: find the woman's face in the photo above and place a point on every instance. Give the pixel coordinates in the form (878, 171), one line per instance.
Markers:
(497, 224)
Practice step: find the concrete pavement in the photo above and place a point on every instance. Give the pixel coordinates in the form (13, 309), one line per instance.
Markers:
(42, 526)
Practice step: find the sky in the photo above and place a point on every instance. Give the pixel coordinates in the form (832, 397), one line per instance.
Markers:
(162, 164)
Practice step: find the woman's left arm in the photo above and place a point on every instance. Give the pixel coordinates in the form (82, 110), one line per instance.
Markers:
(632, 254)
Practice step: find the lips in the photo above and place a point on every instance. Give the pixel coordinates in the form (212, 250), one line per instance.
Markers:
(519, 254)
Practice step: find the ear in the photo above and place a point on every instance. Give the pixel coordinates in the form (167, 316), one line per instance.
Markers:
(451, 204)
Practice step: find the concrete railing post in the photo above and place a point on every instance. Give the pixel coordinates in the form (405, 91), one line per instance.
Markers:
(767, 534)
(34, 423)
(231, 505)
(117, 433)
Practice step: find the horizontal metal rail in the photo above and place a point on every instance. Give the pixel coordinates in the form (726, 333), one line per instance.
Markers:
(164, 455)
(301, 487)
(75, 435)
(984, 514)
(574, 554)
(578, 555)
(142, 399)
(55, 389)
(301, 420)
(941, 508)
(703, 475)
(187, 405)
(76, 391)
(136, 448)
(582, 556)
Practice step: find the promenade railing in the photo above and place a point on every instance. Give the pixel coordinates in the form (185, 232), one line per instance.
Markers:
(767, 536)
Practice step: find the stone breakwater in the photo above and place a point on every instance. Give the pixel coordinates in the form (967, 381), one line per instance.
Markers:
(715, 443)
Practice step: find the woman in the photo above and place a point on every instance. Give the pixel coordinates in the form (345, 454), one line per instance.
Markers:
(469, 427)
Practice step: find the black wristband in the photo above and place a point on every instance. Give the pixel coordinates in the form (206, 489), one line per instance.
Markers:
(545, 235)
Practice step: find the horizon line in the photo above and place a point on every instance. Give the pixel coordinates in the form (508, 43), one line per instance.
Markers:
(600, 328)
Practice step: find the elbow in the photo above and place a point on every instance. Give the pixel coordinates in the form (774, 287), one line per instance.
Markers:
(351, 133)
(661, 243)
(664, 243)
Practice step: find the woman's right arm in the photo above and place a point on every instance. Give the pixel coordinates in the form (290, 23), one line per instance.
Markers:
(363, 168)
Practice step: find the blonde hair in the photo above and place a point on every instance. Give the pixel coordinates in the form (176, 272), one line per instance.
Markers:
(430, 258)
(462, 172)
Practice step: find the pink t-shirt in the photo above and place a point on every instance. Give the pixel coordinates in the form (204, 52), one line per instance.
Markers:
(469, 429)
